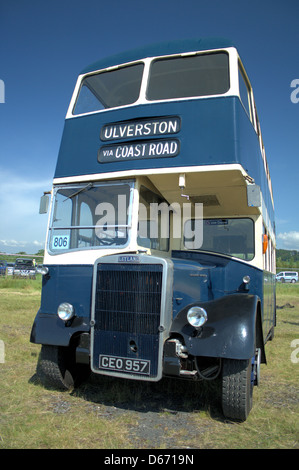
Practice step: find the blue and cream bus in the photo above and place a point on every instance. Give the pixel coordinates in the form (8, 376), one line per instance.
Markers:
(160, 250)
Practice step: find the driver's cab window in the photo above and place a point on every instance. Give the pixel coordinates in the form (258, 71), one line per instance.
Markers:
(153, 221)
(85, 235)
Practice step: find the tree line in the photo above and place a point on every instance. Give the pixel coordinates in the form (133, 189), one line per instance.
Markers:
(287, 259)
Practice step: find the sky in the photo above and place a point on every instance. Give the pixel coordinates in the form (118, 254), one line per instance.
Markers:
(45, 44)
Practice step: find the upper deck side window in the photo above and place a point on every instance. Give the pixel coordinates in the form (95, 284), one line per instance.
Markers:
(245, 93)
(109, 89)
(184, 77)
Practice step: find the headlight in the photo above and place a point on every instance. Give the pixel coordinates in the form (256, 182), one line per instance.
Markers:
(197, 316)
(42, 270)
(65, 311)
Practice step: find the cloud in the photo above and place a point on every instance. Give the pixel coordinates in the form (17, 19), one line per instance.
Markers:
(289, 240)
(12, 243)
(22, 244)
(18, 193)
(15, 246)
(19, 206)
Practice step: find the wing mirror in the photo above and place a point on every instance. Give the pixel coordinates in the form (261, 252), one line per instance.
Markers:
(44, 203)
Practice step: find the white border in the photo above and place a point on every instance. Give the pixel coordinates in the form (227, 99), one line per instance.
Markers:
(150, 171)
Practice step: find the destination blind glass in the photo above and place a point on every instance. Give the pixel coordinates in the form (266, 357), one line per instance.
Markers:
(183, 77)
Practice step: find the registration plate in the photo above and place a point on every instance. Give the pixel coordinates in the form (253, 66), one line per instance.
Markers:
(124, 364)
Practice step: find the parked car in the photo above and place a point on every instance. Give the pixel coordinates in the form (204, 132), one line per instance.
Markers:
(10, 269)
(287, 276)
(3, 266)
(24, 268)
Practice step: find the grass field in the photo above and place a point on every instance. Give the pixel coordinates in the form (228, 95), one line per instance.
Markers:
(114, 414)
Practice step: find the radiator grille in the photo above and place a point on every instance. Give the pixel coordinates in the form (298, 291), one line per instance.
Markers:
(128, 298)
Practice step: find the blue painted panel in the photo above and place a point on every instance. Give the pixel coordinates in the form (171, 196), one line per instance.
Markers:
(207, 137)
(201, 277)
(115, 343)
(71, 284)
(213, 131)
(249, 154)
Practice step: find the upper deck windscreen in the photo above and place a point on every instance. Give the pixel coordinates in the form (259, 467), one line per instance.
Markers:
(169, 78)
(110, 89)
(183, 77)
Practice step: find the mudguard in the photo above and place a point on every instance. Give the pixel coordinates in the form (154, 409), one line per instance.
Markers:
(49, 329)
(67, 283)
(230, 331)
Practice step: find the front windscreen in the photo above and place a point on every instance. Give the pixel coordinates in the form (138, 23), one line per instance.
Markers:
(234, 237)
(183, 77)
(109, 89)
(90, 215)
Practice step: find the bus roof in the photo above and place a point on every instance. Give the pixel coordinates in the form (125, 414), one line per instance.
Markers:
(159, 49)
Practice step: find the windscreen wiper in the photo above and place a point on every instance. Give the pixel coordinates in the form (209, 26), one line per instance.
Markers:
(89, 186)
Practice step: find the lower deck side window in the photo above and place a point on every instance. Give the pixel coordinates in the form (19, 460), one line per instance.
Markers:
(234, 237)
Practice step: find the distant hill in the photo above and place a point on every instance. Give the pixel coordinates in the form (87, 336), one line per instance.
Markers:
(287, 259)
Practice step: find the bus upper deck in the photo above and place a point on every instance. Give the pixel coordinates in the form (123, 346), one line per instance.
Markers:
(176, 105)
(180, 108)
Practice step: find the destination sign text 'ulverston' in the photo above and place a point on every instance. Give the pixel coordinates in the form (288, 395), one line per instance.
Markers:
(141, 128)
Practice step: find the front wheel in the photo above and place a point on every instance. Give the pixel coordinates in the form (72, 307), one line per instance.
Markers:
(237, 388)
(55, 367)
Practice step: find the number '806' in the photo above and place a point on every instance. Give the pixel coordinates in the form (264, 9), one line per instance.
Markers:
(60, 242)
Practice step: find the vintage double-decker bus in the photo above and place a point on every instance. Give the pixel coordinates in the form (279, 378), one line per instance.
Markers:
(160, 249)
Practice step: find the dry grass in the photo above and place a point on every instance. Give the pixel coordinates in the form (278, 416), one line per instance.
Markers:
(113, 414)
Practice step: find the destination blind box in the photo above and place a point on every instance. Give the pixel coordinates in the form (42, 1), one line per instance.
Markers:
(140, 149)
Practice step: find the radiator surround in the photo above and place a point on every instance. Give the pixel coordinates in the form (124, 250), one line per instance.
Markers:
(131, 315)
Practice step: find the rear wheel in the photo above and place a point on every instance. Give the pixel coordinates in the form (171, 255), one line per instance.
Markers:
(237, 388)
(56, 367)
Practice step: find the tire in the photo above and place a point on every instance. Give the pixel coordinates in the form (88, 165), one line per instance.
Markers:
(271, 334)
(237, 388)
(55, 367)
